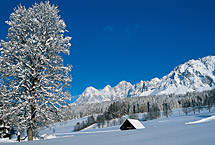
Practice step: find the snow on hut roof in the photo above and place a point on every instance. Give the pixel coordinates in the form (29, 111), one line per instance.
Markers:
(136, 123)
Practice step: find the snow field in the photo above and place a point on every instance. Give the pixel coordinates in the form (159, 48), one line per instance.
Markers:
(162, 131)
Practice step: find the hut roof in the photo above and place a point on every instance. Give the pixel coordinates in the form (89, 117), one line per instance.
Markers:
(136, 123)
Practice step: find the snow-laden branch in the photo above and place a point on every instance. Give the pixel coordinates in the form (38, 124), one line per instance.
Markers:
(33, 76)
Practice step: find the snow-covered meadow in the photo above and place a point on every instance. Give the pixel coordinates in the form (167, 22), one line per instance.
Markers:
(178, 129)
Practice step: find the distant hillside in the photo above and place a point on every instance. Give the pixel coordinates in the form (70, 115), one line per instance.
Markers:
(194, 75)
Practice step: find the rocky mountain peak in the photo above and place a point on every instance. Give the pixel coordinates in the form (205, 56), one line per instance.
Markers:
(194, 75)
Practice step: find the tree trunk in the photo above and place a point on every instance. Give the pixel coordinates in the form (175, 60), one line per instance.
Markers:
(18, 136)
(209, 108)
(30, 134)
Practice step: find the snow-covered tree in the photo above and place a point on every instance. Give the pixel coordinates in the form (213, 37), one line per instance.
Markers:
(167, 111)
(32, 72)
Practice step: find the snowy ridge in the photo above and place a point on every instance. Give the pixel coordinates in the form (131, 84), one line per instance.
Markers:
(92, 95)
(194, 75)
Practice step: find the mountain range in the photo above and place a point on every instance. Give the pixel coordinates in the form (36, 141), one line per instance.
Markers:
(194, 75)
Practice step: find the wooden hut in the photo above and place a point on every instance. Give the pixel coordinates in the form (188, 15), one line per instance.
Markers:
(131, 124)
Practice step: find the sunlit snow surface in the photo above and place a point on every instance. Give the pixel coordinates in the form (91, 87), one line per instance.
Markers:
(178, 129)
(212, 118)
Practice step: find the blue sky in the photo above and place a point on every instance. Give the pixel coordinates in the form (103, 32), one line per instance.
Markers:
(132, 40)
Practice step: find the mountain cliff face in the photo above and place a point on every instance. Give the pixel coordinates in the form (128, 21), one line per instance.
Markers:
(194, 75)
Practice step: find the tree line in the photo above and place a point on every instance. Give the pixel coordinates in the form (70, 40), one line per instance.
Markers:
(152, 106)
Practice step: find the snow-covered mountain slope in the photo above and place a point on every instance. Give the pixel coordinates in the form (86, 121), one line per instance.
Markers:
(92, 95)
(194, 75)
